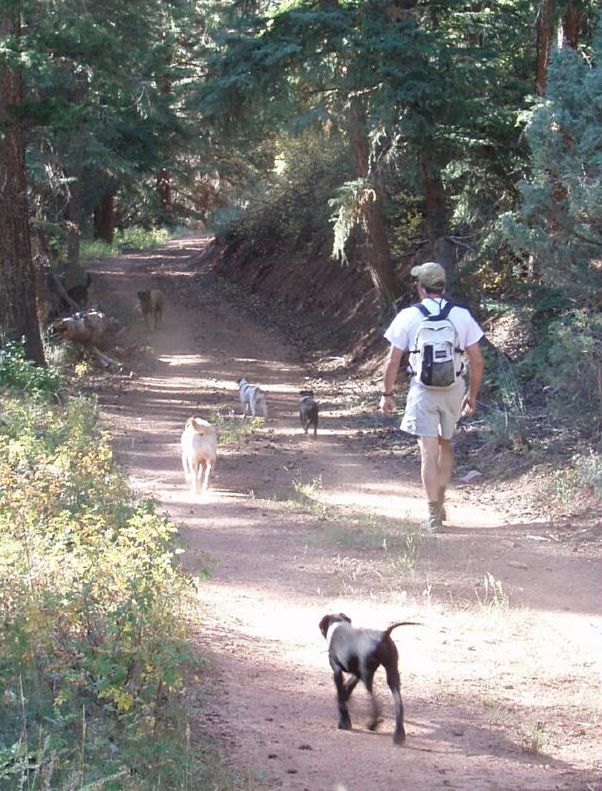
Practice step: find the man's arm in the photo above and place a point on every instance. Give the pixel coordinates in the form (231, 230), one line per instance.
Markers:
(476, 364)
(390, 371)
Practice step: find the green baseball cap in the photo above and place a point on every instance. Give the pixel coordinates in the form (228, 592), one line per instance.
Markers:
(430, 274)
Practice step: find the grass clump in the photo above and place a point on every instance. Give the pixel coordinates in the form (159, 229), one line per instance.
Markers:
(92, 606)
(491, 595)
(233, 430)
(134, 238)
(534, 739)
(307, 495)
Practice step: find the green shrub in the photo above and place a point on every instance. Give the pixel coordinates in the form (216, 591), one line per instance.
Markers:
(569, 364)
(506, 413)
(19, 373)
(588, 467)
(92, 605)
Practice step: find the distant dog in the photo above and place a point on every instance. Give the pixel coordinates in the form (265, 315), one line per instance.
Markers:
(199, 452)
(77, 293)
(151, 305)
(253, 399)
(63, 301)
(308, 411)
(360, 652)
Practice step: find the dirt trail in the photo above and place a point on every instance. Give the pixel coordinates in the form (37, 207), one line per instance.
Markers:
(500, 684)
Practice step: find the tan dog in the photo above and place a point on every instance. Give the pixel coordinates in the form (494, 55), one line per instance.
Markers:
(199, 452)
(151, 304)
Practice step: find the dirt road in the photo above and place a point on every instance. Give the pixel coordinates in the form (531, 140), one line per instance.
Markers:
(501, 681)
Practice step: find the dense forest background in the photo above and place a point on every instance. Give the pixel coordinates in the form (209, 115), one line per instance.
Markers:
(364, 136)
(327, 146)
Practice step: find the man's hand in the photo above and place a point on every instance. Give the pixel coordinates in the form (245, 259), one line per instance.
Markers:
(390, 371)
(469, 405)
(386, 405)
(476, 366)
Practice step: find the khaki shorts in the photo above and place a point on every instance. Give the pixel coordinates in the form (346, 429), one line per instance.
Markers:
(433, 413)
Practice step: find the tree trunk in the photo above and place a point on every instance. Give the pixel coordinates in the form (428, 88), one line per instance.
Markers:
(74, 207)
(164, 175)
(104, 219)
(436, 214)
(164, 192)
(545, 34)
(72, 224)
(18, 315)
(571, 24)
(380, 265)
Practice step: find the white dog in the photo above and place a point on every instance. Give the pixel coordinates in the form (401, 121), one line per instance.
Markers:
(199, 452)
(253, 399)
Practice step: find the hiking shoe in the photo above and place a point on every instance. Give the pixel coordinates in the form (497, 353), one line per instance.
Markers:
(432, 525)
(442, 513)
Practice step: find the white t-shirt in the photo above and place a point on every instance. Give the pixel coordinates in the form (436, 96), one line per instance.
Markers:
(401, 333)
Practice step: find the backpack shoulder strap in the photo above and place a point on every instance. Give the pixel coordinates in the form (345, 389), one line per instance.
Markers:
(444, 313)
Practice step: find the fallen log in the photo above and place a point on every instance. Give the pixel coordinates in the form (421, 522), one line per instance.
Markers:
(105, 360)
(85, 327)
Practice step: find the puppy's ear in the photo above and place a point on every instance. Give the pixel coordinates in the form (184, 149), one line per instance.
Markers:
(344, 617)
(324, 624)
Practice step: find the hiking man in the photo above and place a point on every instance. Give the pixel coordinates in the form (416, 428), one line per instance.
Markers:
(436, 334)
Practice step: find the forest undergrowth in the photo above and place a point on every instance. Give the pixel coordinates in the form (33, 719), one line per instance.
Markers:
(94, 654)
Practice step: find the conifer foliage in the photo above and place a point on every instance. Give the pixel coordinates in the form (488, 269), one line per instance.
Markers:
(558, 223)
(417, 92)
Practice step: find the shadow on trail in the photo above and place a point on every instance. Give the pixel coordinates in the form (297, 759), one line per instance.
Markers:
(436, 731)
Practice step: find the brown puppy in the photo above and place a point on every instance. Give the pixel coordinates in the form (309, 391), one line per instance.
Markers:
(151, 304)
(199, 452)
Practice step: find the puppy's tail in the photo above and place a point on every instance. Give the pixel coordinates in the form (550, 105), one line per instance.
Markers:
(388, 631)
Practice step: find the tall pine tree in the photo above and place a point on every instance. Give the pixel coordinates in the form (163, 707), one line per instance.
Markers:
(18, 316)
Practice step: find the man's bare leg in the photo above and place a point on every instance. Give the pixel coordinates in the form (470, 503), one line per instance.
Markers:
(437, 461)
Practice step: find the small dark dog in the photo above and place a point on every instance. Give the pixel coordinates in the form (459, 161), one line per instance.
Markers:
(308, 411)
(360, 652)
(77, 294)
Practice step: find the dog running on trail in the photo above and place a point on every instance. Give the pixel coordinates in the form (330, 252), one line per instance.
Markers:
(199, 453)
(309, 411)
(253, 399)
(151, 305)
(359, 653)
